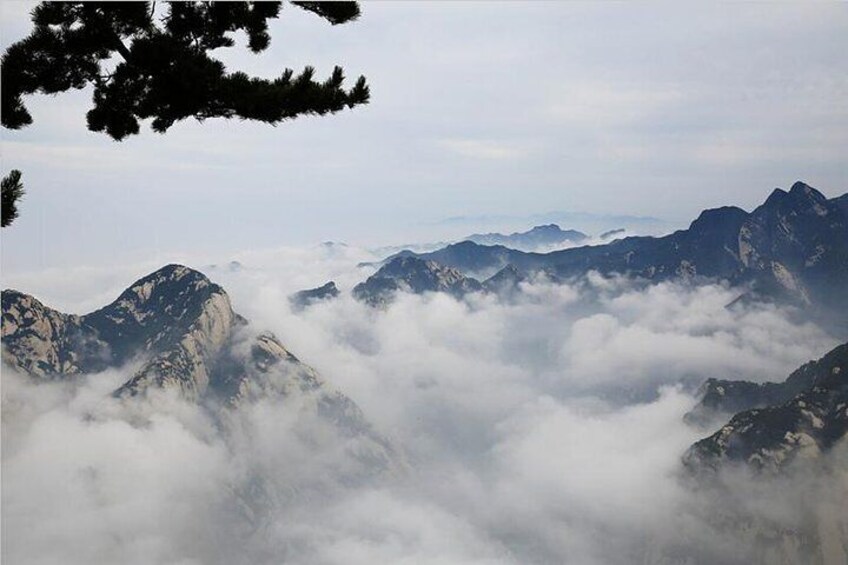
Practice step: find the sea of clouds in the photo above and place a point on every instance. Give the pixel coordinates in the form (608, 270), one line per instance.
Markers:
(544, 428)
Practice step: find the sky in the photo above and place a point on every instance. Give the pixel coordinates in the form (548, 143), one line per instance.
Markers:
(545, 428)
(501, 110)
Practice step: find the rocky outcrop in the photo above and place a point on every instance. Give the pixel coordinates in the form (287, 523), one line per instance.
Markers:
(182, 329)
(804, 416)
(305, 298)
(770, 483)
(175, 318)
(411, 274)
(506, 281)
(252, 368)
(720, 398)
(796, 244)
(45, 343)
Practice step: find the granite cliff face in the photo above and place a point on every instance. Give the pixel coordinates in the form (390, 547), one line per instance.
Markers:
(175, 317)
(796, 244)
(803, 416)
(771, 481)
(182, 329)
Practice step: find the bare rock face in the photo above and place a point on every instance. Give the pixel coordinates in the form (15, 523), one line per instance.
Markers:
(804, 416)
(175, 317)
(46, 343)
(183, 329)
(770, 483)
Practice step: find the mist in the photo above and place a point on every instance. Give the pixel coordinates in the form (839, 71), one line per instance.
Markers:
(542, 428)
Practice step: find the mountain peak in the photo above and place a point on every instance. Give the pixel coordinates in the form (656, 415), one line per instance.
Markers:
(174, 292)
(719, 219)
(172, 272)
(777, 196)
(464, 244)
(303, 298)
(413, 274)
(800, 186)
(806, 192)
(545, 228)
(801, 195)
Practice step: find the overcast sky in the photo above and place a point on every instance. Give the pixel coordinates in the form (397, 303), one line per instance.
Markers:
(477, 109)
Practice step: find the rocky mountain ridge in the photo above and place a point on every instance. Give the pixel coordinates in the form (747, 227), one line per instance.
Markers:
(793, 248)
(774, 423)
(182, 330)
(417, 276)
(414, 275)
(175, 316)
(771, 480)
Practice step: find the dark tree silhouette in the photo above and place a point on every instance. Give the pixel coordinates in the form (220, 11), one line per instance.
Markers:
(165, 71)
(12, 190)
(143, 66)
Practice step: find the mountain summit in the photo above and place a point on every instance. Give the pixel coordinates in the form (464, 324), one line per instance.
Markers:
(537, 238)
(411, 274)
(176, 317)
(181, 329)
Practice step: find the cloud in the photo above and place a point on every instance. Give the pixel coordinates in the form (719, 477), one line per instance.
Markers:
(484, 149)
(610, 104)
(546, 429)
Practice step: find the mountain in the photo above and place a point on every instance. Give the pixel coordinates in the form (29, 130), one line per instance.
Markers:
(505, 281)
(538, 237)
(481, 261)
(411, 274)
(175, 316)
(583, 221)
(841, 202)
(771, 481)
(793, 248)
(611, 234)
(803, 416)
(181, 329)
(304, 298)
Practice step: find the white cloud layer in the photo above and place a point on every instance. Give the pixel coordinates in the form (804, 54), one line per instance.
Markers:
(542, 430)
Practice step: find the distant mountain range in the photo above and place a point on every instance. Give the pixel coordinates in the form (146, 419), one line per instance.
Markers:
(538, 237)
(182, 330)
(793, 248)
(584, 221)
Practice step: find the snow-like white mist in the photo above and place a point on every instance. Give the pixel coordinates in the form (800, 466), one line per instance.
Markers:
(543, 429)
